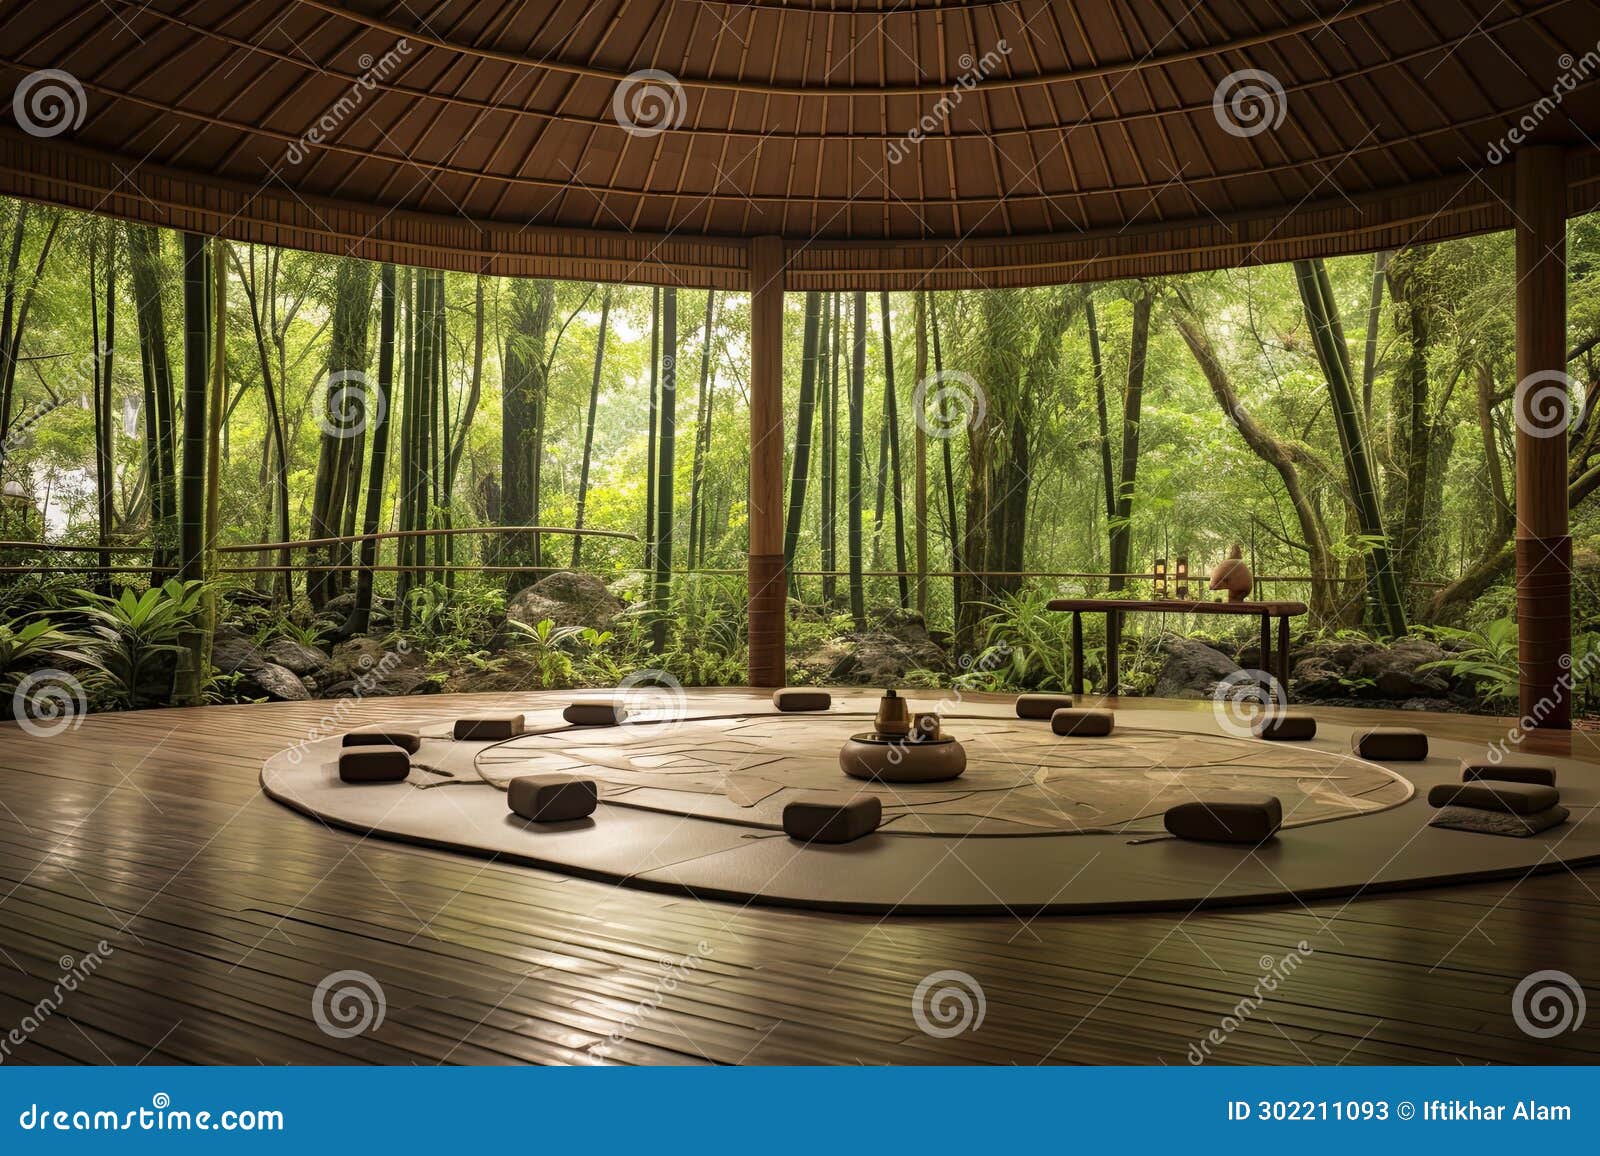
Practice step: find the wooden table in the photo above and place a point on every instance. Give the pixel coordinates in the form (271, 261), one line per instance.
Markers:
(1115, 608)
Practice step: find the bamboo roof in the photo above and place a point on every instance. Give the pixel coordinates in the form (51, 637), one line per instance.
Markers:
(891, 143)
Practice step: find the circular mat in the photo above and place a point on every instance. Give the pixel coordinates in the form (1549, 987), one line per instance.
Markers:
(1021, 779)
(691, 803)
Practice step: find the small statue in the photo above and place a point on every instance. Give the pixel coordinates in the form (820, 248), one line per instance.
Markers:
(894, 716)
(1232, 575)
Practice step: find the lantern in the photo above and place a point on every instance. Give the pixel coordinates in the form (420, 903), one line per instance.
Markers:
(1183, 577)
(1161, 577)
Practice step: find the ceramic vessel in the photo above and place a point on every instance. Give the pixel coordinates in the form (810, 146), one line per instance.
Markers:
(894, 760)
(1232, 575)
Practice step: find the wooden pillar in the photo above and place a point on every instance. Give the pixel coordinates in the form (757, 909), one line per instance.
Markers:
(769, 582)
(1544, 549)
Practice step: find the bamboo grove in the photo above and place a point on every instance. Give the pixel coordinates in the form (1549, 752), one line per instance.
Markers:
(166, 399)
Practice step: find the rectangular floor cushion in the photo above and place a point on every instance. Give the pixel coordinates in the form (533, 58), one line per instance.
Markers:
(1509, 771)
(1515, 798)
(1390, 744)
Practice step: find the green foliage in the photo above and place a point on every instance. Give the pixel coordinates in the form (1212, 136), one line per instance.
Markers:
(1485, 656)
(548, 645)
(127, 636)
(1025, 645)
(29, 646)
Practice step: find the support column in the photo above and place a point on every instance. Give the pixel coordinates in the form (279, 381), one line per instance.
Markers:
(769, 582)
(1544, 549)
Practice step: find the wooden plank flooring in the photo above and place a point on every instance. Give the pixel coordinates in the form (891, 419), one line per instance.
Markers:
(224, 911)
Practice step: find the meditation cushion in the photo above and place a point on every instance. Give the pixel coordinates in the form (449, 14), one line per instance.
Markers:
(1498, 822)
(1509, 771)
(490, 727)
(1516, 798)
(405, 740)
(592, 713)
(1082, 721)
(800, 698)
(1043, 705)
(832, 818)
(552, 798)
(1284, 727)
(1226, 819)
(1391, 744)
(374, 765)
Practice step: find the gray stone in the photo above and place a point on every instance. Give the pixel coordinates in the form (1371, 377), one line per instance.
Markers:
(566, 598)
(1394, 672)
(296, 656)
(877, 657)
(276, 682)
(1192, 669)
(365, 668)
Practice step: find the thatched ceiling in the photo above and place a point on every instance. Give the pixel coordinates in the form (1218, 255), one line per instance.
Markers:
(1057, 140)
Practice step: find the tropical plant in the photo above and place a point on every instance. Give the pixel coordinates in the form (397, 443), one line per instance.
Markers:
(549, 648)
(129, 635)
(1485, 656)
(28, 646)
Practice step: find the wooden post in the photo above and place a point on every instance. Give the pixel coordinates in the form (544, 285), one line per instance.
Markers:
(768, 581)
(1544, 549)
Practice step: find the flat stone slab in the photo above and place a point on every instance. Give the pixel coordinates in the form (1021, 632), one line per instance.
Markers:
(591, 713)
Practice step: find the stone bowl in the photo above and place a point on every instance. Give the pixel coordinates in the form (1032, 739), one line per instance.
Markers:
(889, 759)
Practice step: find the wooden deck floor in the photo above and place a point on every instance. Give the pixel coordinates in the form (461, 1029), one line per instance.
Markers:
(223, 911)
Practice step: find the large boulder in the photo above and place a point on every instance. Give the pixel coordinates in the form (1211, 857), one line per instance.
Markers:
(1316, 676)
(1192, 669)
(296, 656)
(365, 668)
(256, 674)
(898, 644)
(1393, 672)
(566, 598)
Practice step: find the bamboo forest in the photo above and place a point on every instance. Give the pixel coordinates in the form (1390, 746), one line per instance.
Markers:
(429, 481)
